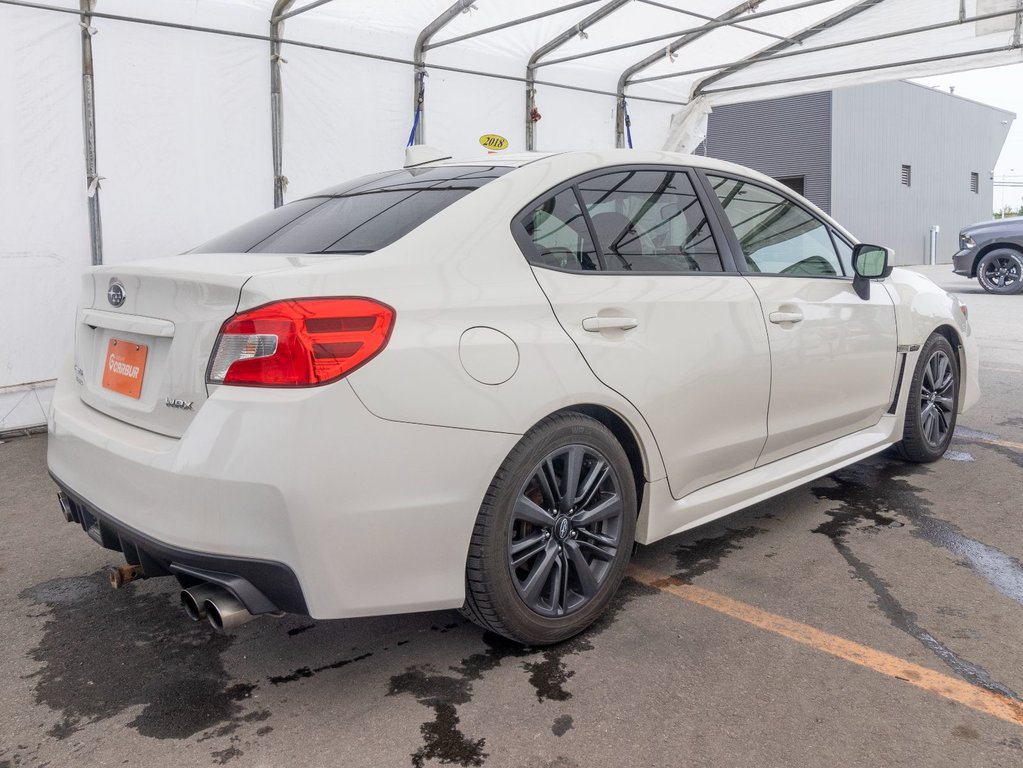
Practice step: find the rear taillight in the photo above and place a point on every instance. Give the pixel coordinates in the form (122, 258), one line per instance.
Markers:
(299, 342)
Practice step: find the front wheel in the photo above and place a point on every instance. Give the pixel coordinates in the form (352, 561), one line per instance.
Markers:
(933, 399)
(1001, 271)
(554, 533)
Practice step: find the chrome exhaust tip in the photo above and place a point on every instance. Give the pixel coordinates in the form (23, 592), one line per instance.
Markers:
(225, 611)
(193, 599)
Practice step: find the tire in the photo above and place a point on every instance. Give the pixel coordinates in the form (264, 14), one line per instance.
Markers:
(932, 403)
(1001, 271)
(544, 564)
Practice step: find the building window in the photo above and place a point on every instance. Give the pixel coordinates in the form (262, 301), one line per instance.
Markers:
(907, 175)
(975, 182)
(796, 183)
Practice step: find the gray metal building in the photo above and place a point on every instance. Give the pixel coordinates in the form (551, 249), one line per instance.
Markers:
(889, 160)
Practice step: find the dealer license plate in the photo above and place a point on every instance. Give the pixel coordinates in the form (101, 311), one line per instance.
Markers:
(124, 367)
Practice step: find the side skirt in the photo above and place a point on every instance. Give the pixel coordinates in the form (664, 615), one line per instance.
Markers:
(663, 515)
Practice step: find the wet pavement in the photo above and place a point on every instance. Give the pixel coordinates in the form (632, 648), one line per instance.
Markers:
(919, 563)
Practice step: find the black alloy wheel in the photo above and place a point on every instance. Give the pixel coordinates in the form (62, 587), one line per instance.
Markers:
(1001, 271)
(932, 403)
(566, 530)
(937, 398)
(554, 533)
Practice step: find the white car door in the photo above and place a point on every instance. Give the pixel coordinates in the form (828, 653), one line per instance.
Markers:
(834, 355)
(636, 278)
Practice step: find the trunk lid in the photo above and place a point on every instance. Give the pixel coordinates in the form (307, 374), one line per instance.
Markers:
(145, 332)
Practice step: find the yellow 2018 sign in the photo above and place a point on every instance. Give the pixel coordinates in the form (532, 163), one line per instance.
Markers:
(493, 142)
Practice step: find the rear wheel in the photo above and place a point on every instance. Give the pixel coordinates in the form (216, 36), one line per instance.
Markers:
(932, 405)
(1001, 271)
(554, 533)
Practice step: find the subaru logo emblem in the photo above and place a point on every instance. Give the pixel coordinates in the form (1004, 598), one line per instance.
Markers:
(561, 528)
(115, 293)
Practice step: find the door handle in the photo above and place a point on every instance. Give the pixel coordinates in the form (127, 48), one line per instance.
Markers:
(785, 317)
(597, 324)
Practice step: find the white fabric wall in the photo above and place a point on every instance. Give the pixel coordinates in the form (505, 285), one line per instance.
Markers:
(44, 230)
(183, 137)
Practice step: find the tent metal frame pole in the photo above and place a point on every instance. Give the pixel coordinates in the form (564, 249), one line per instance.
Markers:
(798, 39)
(297, 11)
(869, 68)
(620, 111)
(760, 58)
(419, 63)
(548, 48)
(92, 176)
(703, 16)
(511, 23)
(327, 48)
(668, 36)
(277, 99)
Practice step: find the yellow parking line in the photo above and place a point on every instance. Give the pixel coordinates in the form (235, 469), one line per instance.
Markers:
(991, 441)
(951, 688)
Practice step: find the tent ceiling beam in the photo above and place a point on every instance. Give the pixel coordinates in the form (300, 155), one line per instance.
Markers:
(798, 39)
(509, 24)
(549, 47)
(706, 27)
(763, 57)
(743, 27)
(288, 14)
(621, 116)
(867, 68)
(331, 49)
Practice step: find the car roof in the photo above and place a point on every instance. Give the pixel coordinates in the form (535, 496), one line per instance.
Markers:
(595, 159)
(609, 157)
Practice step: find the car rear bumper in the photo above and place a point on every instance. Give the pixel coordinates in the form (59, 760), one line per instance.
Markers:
(367, 516)
(962, 262)
(261, 585)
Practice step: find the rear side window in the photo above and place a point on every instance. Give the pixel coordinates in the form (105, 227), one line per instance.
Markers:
(627, 221)
(649, 221)
(360, 216)
(558, 235)
(777, 236)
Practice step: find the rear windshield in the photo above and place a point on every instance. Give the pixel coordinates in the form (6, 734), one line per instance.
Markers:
(360, 216)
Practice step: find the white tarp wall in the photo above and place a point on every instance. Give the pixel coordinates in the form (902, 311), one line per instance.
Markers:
(183, 116)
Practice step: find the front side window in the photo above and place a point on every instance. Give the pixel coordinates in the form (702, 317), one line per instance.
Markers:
(776, 235)
(649, 221)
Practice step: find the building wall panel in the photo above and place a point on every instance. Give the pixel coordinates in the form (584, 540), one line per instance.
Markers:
(877, 129)
(784, 137)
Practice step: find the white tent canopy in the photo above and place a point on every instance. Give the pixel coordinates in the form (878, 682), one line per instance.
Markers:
(183, 139)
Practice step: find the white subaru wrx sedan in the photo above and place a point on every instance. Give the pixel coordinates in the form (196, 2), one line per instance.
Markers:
(476, 384)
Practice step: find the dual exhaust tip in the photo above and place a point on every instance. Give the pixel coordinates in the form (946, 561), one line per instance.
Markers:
(223, 610)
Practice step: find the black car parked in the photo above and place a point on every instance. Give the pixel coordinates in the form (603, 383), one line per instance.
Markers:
(992, 252)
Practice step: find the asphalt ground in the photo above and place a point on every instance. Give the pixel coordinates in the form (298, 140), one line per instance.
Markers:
(870, 618)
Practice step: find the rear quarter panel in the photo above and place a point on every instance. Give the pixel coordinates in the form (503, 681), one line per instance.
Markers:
(458, 271)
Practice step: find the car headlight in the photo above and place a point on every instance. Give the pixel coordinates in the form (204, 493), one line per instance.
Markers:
(965, 241)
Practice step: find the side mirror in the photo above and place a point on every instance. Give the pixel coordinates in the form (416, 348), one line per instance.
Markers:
(870, 262)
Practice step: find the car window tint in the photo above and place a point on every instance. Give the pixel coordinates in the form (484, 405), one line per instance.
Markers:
(558, 235)
(359, 216)
(777, 236)
(650, 221)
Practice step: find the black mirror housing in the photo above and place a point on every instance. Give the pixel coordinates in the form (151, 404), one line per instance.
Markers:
(870, 262)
